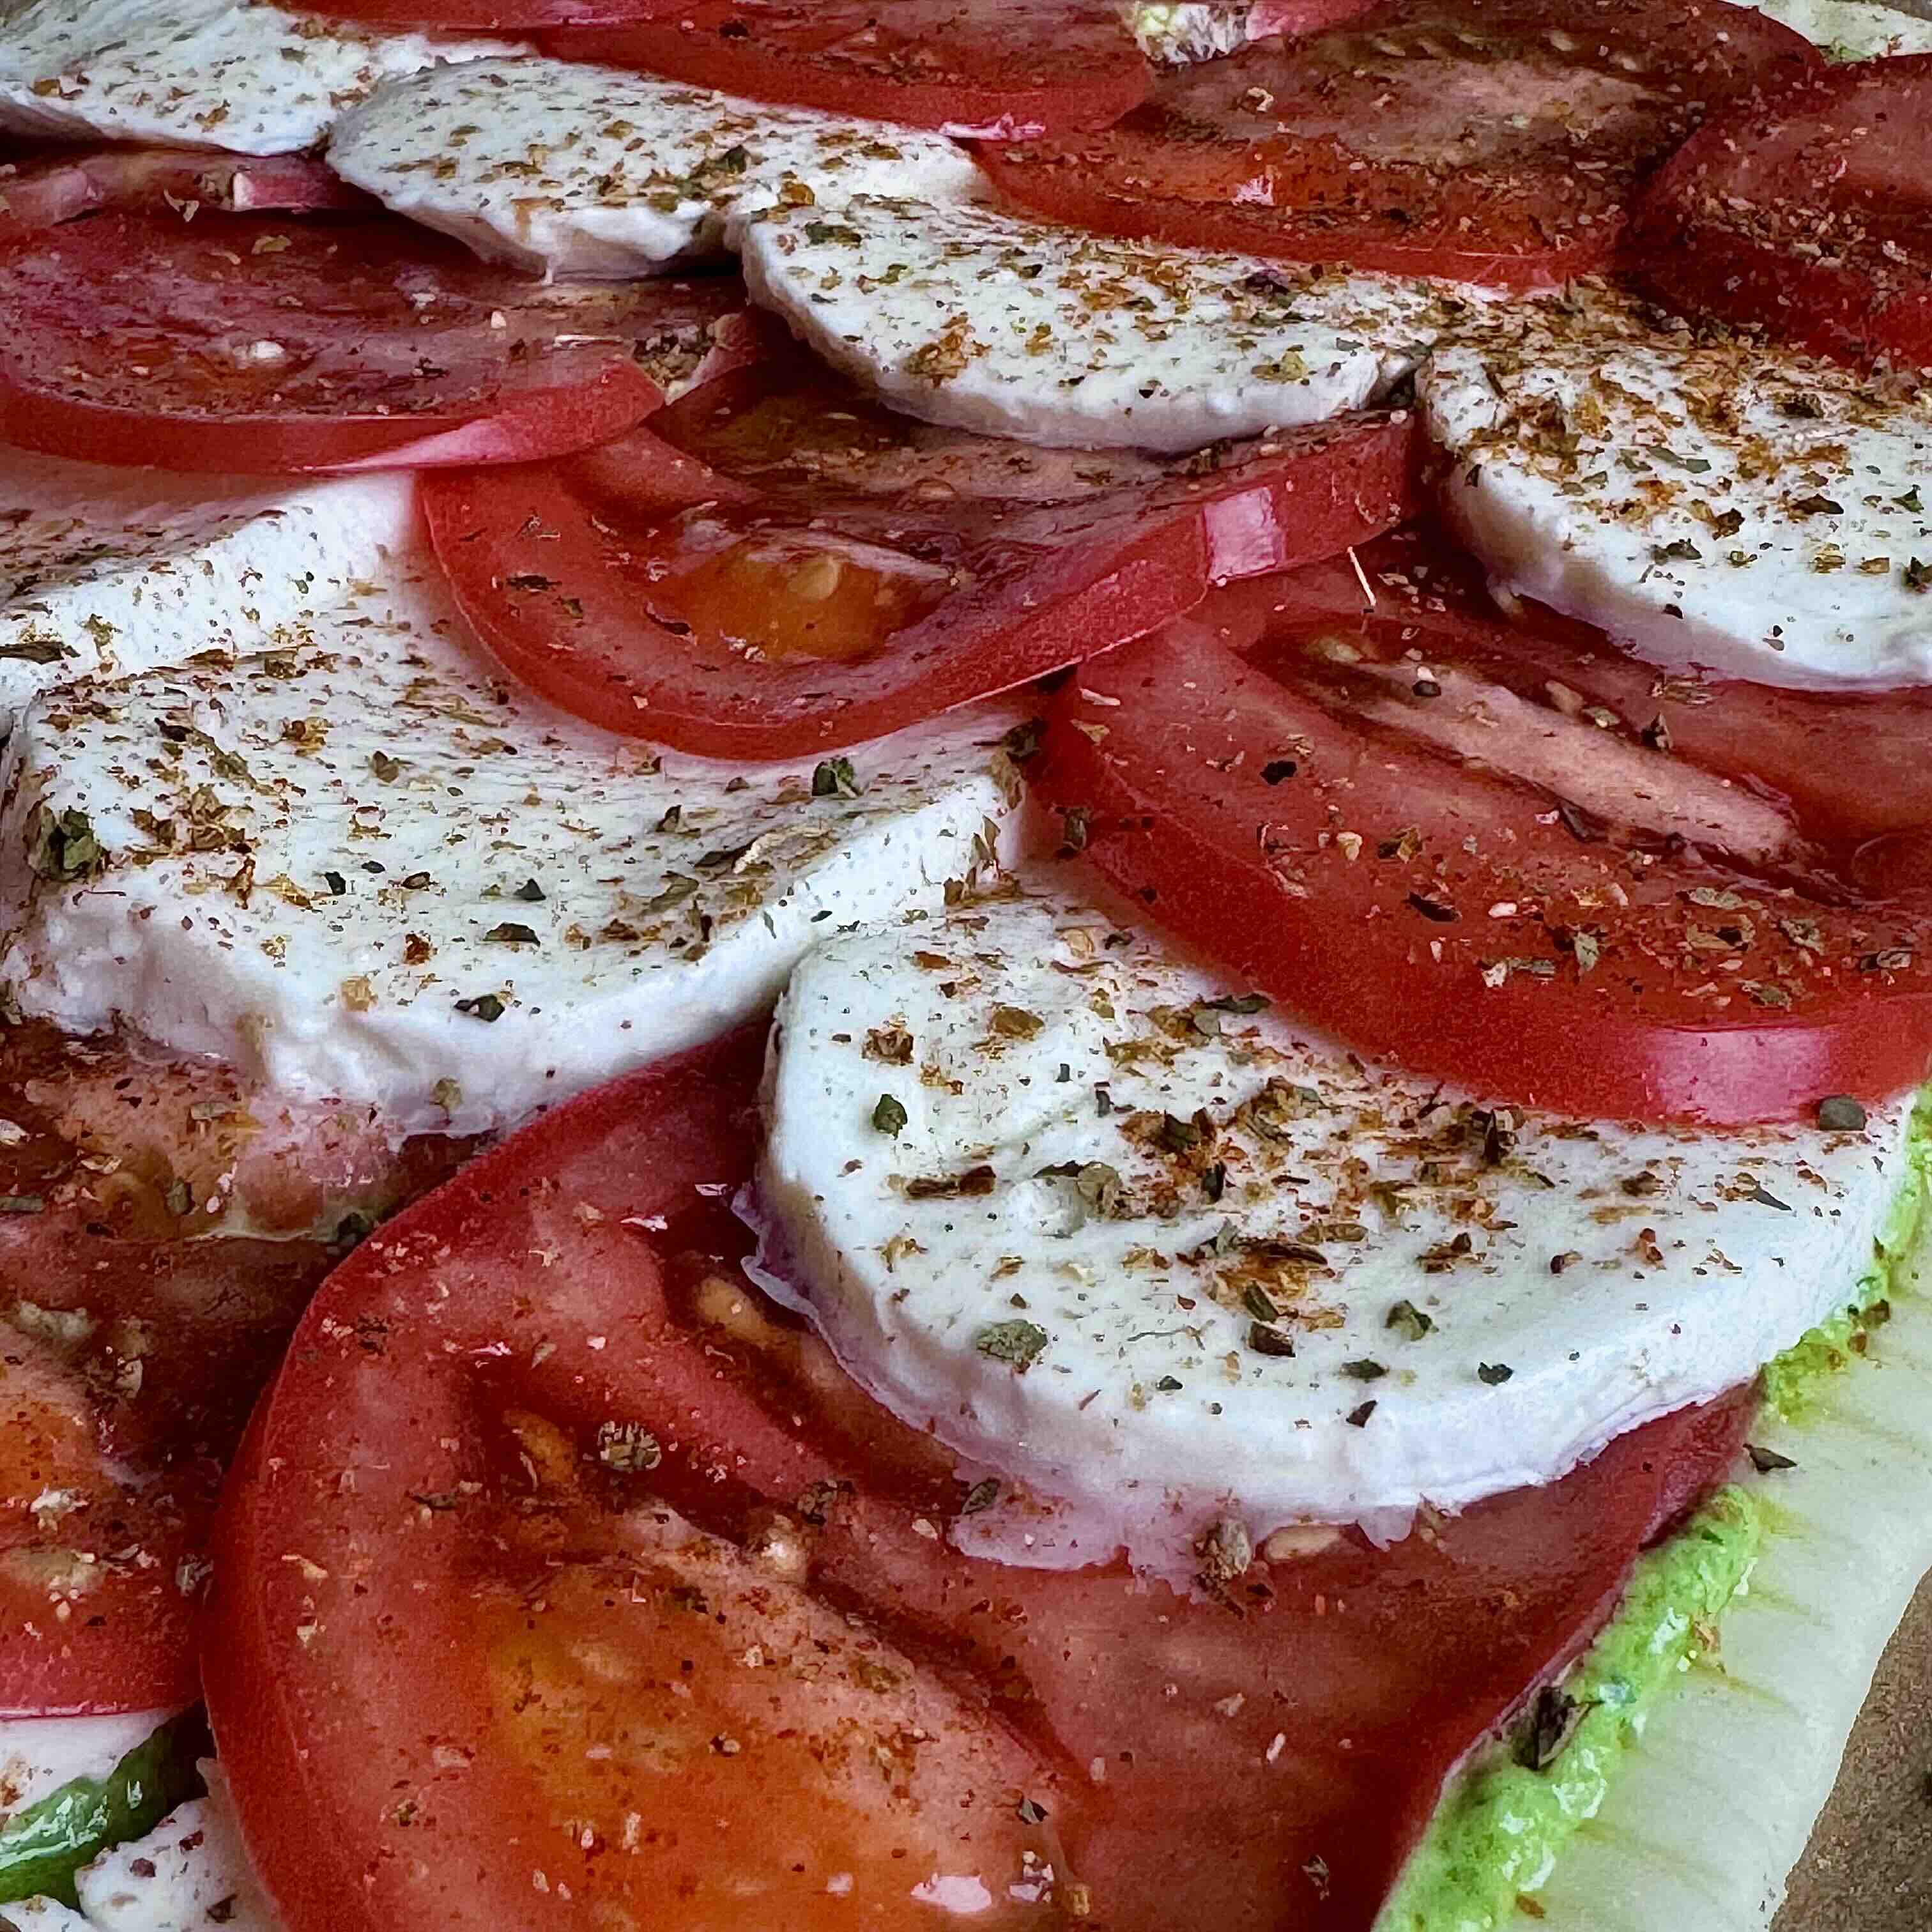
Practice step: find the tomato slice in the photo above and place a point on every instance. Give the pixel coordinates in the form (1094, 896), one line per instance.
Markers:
(604, 1582)
(1002, 70)
(1429, 909)
(1807, 217)
(1839, 781)
(249, 343)
(134, 1334)
(41, 191)
(491, 16)
(1492, 141)
(778, 565)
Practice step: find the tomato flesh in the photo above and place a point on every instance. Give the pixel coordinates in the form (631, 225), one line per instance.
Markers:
(606, 1573)
(1428, 908)
(777, 566)
(134, 1334)
(1806, 216)
(254, 344)
(1485, 140)
(1003, 70)
(493, 17)
(1842, 777)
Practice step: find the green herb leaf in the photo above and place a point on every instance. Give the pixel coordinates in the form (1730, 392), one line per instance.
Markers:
(1494, 1374)
(889, 1116)
(1408, 1322)
(1020, 1343)
(835, 778)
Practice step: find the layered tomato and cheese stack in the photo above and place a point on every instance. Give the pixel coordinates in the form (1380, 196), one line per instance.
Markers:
(1108, 826)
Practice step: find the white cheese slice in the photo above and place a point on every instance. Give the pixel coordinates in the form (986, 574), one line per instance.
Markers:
(1178, 31)
(104, 572)
(992, 323)
(247, 78)
(312, 858)
(572, 170)
(1737, 507)
(38, 1755)
(1024, 1130)
(189, 1873)
(1851, 30)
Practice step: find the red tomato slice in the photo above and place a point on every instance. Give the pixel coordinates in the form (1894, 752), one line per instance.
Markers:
(127, 1370)
(779, 566)
(1492, 141)
(1433, 911)
(1807, 217)
(491, 16)
(464, 1652)
(1843, 779)
(133, 1338)
(1003, 70)
(40, 192)
(245, 343)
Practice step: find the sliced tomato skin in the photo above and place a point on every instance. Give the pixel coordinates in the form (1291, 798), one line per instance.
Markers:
(1216, 797)
(1003, 70)
(344, 1700)
(1850, 769)
(1805, 216)
(244, 343)
(545, 563)
(1336, 147)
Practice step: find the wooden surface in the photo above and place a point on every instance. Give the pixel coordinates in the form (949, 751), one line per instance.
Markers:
(1868, 1868)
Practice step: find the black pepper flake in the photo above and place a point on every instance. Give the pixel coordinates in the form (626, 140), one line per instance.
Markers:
(1767, 1461)
(1168, 1385)
(1265, 1340)
(530, 893)
(1275, 769)
(1493, 1374)
(487, 1006)
(1031, 1813)
(336, 882)
(1358, 1418)
(1765, 1199)
(1364, 1371)
(1839, 1114)
(511, 933)
(1553, 1724)
(1214, 1180)
(1433, 910)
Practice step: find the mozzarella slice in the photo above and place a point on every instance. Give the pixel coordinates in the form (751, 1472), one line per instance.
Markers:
(371, 871)
(189, 1873)
(104, 572)
(244, 78)
(38, 1755)
(1728, 505)
(1063, 1201)
(579, 170)
(1850, 30)
(991, 322)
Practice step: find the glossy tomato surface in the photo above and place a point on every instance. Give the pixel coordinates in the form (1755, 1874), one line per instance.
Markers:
(1444, 904)
(777, 566)
(1003, 70)
(1808, 778)
(1807, 216)
(1492, 141)
(561, 1563)
(253, 343)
